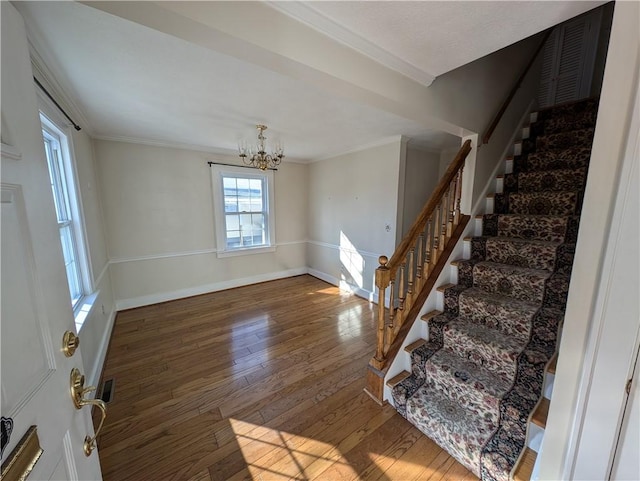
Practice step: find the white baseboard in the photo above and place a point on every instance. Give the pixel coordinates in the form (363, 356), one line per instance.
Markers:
(122, 304)
(358, 291)
(94, 379)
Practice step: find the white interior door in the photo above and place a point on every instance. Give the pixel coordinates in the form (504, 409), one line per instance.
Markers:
(35, 302)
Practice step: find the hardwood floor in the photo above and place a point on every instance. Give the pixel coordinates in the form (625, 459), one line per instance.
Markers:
(260, 382)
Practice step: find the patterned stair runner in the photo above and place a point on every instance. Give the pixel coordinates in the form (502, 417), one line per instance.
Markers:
(477, 379)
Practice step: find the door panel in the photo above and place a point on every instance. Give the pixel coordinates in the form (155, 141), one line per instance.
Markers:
(35, 302)
(27, 343)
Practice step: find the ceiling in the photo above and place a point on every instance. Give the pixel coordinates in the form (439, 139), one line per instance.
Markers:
(127, 81)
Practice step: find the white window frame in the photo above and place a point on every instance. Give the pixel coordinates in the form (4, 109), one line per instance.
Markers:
(218, 172)
(76, 222)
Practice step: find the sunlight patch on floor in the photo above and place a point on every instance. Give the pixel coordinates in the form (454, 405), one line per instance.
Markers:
(273, 455)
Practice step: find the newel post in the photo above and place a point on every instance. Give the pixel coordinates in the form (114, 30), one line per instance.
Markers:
(383, 278)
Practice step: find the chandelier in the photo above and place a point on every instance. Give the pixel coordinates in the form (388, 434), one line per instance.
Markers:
(256, 156)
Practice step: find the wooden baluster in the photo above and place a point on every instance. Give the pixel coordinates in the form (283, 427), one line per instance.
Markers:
(383, 277)
(436, 237)
(458, 195)
(401, 288)
(451, 207)
(419, 261)
(427, 249)
(443, 228)
(410, 276)
(392, 301)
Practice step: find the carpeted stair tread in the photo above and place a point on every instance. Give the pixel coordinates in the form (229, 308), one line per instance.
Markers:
(555, 124)
(571, 158)
(537, 203)
(460, 432)
(513, 281)
(550, 228)
(564, 140)
(473, 386)
(545, 181)
(484, 346)
(511, 316)
(570, 109)
(531, 253)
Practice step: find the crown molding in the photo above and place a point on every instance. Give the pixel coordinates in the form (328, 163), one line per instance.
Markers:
(44, 67)
(231, 154)
(377, 143)
(309, 16)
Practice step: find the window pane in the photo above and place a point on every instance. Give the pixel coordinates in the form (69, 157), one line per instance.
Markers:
(233, 222)
(229, 184)
(56, 176)
(256, 204)
(233, 239)
(71, 264)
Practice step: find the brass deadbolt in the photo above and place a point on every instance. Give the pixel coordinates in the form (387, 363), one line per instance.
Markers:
(70, 343)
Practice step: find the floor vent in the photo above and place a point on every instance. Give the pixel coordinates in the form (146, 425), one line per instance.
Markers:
(107, 390)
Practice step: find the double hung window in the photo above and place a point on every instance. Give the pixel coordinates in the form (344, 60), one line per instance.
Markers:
(67, 210)
(243, 204)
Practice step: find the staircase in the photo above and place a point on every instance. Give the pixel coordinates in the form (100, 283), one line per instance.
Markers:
(474, 385)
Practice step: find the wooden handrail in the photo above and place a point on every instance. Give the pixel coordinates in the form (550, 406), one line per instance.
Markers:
(418, 226)
(417, 261)
(503, 108)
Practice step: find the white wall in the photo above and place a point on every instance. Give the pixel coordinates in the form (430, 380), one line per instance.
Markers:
(422, 173)
(353, 202)
(158, 210)
(96, 329)
(566, 446)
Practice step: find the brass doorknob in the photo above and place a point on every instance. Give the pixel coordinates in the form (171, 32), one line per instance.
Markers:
(70, 343)
(77, 395)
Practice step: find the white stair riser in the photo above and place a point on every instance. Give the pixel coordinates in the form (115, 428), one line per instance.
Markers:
(534, 438)
(490, 205)
(548, 385)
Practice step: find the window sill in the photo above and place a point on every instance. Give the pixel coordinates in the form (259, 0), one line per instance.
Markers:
(246, 251)
(84, 309)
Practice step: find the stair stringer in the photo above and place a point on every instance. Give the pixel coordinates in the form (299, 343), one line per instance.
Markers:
(420, 329)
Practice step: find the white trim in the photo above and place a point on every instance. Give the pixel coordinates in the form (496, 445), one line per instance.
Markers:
(102, 350)
(43, 64)
(167, 144)
(246, 251)
(371, 255)
(358, 291)
(377, 143)
(309, 16)
(96, 282)
(123, 304)
(166, 255)
(10, 152)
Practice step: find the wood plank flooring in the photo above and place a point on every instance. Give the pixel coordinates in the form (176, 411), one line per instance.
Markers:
(261, 382)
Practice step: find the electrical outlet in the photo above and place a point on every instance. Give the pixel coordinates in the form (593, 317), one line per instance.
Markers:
(103, 311)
